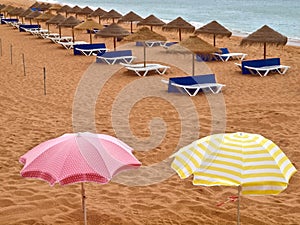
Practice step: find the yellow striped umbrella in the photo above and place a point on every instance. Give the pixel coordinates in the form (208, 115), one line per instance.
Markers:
(249, 161)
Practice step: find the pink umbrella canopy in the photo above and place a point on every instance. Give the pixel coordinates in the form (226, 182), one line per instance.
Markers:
(78, 157)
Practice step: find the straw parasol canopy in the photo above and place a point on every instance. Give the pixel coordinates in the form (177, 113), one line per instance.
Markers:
(75, 10)
(2, 6)
(55, 7)
(7, 9)
(35, 5)
(265, 35)
(32, 15)
(145, 34)
(16, 11)
(44, 6)
(113, 30)
(89, 24)
(86, 11)
(130, 17)
(64, 9)
(215, 29)
(151, 21)
(98, 12)
(112, 14)
(179, 25)
(45, 16)
(195, 45)
(70, 22)
(56, 20)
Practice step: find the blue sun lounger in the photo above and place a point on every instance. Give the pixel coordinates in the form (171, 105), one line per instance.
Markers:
(89, 49)
(262, 66)
(192, 85)
(25, 27)
(113, 57)
(225, 55)
(8, 20)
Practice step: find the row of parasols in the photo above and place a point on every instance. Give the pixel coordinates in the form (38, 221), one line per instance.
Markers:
(43, 12)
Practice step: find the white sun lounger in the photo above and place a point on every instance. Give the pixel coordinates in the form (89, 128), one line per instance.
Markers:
(60, 39)
(263, 71)
(89, 52)
(124, 56)
(142, 70)
(227, 56)
(69, 45)
(193, 84)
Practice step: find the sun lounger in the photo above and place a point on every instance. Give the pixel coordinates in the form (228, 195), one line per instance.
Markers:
(193, 84)
(27, 27)
(70, 44)
(142, 70)
(60, 39)
(226, 55)
(150, 43)
(124, 56)
(262, 67)
(89, 49)
(166, 45)
(8, 20)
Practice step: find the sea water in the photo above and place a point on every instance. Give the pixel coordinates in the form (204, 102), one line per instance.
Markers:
(239, 16)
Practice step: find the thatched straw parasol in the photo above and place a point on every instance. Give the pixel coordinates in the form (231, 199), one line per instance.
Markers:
(113, 30)
(35, 5)
(197, 46)
(98, 12)
(55, 7)
(151, 21)
(75, 10)
(215, 29)
(7, 9)
(145, 34)
(64, 9)
(112, 14)
(86, 11)
(16, 11)
(56, 20)
(265, 35)
(130, 17)
(179, 25)
(32, 15)
(25, 13)
(89, 24)
(44, 6)
(70, 22)
(2, 6)
(44, 17)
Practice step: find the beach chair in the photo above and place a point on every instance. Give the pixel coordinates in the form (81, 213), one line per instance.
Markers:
(88, 49)
(166, 45)
(150, 44)
(226, 55)
(262, 67)
(142, 70)
(57, 39)
(124, 56)
(9, 20)
(192, 85)
(70, 44)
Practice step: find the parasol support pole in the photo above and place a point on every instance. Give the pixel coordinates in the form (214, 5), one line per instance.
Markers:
(131, 27)
(91, 39)
(115, 43)
(214, 40)
(59, 29)
(83, 203)
(179, 34)
(193, 64)
(238, 205)
(265, 50)
(144, 54)
(73, 35)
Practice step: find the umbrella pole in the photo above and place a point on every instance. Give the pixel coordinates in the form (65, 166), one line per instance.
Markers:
(131, 27)
(59, 29)
(115, 44)
(238, 206)
(265, 50)
(91, 41)
(214, 40)
(179, 34)
(73, 36)
(193, 64)
(83, 203)
(144, 54)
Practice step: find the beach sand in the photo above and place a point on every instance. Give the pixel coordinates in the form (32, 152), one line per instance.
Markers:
(76, 84)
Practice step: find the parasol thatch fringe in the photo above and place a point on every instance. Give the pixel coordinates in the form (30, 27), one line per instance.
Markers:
(179, 24)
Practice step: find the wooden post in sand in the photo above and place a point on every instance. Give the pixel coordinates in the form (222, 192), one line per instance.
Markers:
(23, 58)
(44, 81)
(11, 54)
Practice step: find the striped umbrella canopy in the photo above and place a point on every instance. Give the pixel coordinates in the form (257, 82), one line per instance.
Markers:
(78, 157)
(254, 164)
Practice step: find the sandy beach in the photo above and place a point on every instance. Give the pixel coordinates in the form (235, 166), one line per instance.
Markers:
(267, 105)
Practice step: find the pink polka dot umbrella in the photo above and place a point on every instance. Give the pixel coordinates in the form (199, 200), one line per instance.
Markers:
(78, 157)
